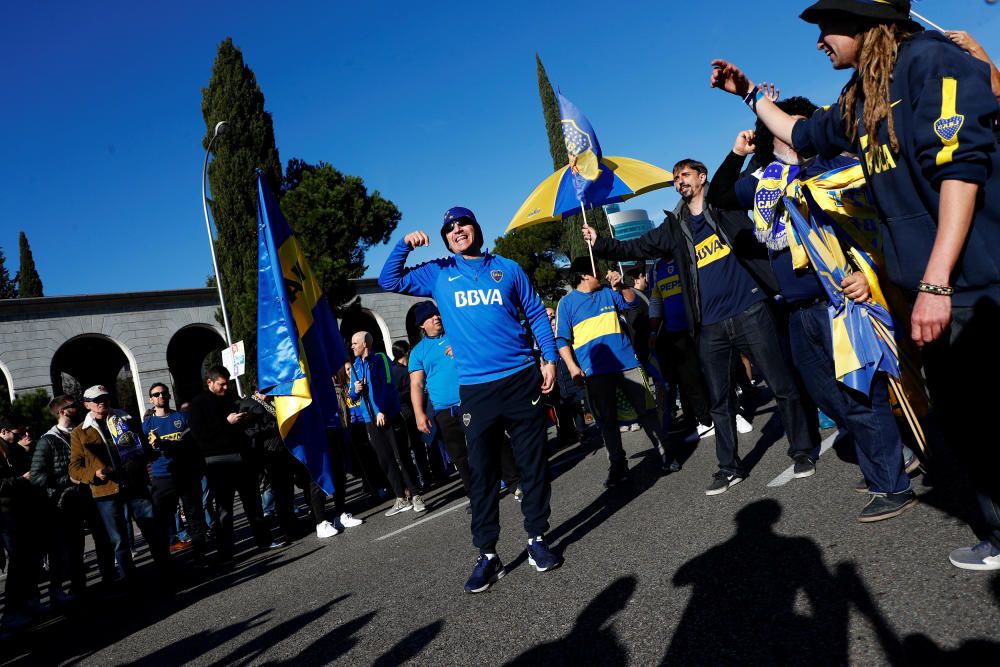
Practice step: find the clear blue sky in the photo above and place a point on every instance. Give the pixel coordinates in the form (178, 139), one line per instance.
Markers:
(433, 104)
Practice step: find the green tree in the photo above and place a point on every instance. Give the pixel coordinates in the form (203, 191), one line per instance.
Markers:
(572, 240)
(29, 283)
(336, 220)
(29, 409)
(248, 144)
(536, 249)
(8, 287)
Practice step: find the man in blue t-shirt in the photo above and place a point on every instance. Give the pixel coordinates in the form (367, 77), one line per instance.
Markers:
(598, 353)
(177, 469)
(723, 276)
(432, 367)
(481, 296)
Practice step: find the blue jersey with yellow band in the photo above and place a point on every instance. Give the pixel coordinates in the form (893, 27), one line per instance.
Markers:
(943, 114)
(727, 289)
(588, 321)
(666, 300)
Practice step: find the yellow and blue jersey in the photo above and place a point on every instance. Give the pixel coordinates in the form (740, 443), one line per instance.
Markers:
(589, 323)
(666, 299)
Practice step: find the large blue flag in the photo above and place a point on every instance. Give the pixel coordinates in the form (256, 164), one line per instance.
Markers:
(299, 347)
(592, 181)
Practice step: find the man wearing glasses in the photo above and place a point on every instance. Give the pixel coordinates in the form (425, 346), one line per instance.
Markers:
(176, 468)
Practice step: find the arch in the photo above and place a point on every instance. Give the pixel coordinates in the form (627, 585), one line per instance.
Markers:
(8, 381)
(362, 319)
(187, 352)
(93, 358)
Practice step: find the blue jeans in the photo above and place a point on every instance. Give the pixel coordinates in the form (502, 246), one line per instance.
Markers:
(112, 512)
(754, 333)
(868, 421)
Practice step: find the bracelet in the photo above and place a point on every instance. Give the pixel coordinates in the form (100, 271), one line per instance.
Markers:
(940, 290)
(753, 97)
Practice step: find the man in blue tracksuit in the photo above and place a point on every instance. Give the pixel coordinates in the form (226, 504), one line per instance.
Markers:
(371, 383)
(919, 112)
(480, 295)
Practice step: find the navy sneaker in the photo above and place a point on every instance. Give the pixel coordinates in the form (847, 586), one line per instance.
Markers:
(486, 573)
(541, 556)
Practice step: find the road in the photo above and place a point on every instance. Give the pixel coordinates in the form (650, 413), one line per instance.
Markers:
(775, 571)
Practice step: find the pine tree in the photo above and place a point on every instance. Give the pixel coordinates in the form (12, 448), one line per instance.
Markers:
(8, 287)
(248, 144)
(572, 240)
(29, 283)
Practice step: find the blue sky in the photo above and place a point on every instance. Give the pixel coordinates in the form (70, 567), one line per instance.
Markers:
(433, 104)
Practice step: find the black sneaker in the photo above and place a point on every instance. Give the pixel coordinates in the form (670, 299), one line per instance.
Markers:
(887, 505)
(541, 556)
(617, 473)
(721, 481)
(804, 466)
(486, 573)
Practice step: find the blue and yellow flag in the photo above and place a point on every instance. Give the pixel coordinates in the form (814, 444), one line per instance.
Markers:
(592, 181)
(299, 347)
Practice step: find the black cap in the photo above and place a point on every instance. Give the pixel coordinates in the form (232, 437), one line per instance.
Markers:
(453, 215)
(423, 311)
(877, 11)
(583, 266)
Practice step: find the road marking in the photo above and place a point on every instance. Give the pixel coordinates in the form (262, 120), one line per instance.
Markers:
(424, 520)
(787, 475)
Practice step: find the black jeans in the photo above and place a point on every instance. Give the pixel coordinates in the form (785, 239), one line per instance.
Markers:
(955, 366)
(185, 487)
(227, 476)
(281, 469)
(384, 444)
(603, 390)
(678, 358)
(453, 434)
(513, 403)
(754, 333)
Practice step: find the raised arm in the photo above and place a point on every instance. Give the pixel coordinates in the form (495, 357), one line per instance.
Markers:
(395, 277)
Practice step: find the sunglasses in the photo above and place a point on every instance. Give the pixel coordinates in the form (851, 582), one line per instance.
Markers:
(157, 394)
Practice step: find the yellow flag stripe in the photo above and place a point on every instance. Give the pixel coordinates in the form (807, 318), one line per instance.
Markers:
(949, 91)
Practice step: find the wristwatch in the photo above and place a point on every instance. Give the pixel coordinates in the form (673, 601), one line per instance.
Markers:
(549, 362)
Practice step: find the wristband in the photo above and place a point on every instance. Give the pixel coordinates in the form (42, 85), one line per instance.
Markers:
(753, 97)
(940, 290)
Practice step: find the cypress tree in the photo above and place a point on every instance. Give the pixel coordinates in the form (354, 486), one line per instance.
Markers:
(572, 240)
(29, 283)
(8, 287)
(248, 143)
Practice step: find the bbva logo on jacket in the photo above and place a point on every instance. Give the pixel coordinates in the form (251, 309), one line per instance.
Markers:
(477, 297)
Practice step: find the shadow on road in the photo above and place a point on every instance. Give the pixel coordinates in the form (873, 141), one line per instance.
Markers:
(411, 645)
(760, 598)
(593, 640)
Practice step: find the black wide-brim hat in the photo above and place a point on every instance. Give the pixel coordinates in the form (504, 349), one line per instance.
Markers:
(875, 11)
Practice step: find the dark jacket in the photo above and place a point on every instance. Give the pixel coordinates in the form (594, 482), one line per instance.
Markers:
(943, 111)
(673, 240)
(261, 428)
(379, 393)
(90, 452)
(14, 463)
(50, 463)
(214, 435)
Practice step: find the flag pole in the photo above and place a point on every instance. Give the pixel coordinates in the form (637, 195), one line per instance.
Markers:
(590, 247)
(927, 21)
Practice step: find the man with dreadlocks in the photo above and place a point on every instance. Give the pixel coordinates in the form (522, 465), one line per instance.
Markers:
(919, 111)
(866, 419)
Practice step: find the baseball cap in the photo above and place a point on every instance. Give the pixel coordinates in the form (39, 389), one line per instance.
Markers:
(96, 391)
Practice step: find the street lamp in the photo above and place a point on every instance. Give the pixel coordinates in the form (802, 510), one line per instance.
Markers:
(219, 129)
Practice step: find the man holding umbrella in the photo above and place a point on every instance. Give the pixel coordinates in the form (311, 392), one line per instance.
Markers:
(500, 384)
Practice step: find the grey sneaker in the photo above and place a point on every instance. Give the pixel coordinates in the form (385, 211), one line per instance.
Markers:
(401, 505)
(418, 504)
(721, 482)
(983, 556)
(883, 506)
(804, 466)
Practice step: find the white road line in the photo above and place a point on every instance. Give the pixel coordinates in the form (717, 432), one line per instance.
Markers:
(424, 520)
(786, 476)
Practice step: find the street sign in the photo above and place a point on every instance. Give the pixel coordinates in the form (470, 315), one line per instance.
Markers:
(234, 358)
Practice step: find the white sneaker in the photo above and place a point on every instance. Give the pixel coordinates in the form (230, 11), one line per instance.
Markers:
(705, 431)
(418, 504)
(347, 520)
(742, 425)
(634, 427)
(325, 529)
(623, 428)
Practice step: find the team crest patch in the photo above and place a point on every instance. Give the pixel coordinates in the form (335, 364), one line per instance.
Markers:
(947, 128)
(466, 418)
(178, 423)
(764, 200)
(497, 275)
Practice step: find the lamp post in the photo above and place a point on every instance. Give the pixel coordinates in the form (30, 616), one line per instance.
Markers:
(219, 129)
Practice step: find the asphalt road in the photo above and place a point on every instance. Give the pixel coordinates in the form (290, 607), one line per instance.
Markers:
(655, 572)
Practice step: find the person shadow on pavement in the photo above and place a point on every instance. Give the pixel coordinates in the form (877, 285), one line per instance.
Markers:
(593, 640)
(760, 598)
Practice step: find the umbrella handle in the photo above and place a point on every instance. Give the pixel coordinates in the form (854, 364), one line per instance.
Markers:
(590, 247)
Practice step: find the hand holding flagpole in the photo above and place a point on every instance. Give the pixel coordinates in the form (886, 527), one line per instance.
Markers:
(589, 238)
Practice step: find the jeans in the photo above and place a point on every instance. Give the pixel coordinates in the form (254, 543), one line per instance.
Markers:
(961, 368)
(868, 421)
(514, 404)
(167, 491)
(678, 359)
(754, 333)
(603, 390)
(227, 476)
(112, 512)
(384, 444)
